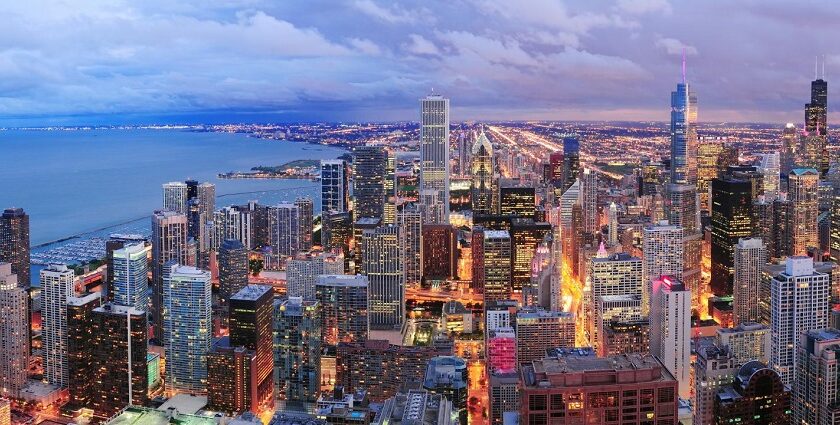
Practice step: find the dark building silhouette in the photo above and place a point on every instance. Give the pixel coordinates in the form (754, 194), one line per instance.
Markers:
(251, 327)
(732, 219)
(756, 396)
(440, 251)
(369, 164)
(233, 269)
(14, 243)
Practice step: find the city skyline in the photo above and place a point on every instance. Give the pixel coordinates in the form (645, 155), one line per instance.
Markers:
(279, 62)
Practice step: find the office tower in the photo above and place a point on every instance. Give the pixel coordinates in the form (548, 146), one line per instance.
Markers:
(361, 226)
(769, 168)
(251, 324)
(383, 264)
(589, 200)
(302, 273)
(746, 342)
(782, 228)
(230, 387)
(440, 251)
(284, 229)
(624, 337)
(750, 256)
(336, 231)
(816, 125)
(369, 181)
(477, 254)
(233, 269)
(381, 368)
(731, 220)
(662, 248)
(389, 214)
(206, 194)
(434, 158)
(501, 350)
(802, 193)
(670, 329)
(525, 236)
(14, 243)
(169, 243)
(56, 286)
(175, 197)
(517, 201)
(815, 391)
(120, 369)
(612, 237)
(305, 207)
(504, 396)
(131, 277)
(14, 333)
(482, 175)
(410, 222)
(496, 248)
(571, 159)
(447, 376)
(710, 155)
(187, 327)
(562, 385)
(799, 303)
(463, 154)
(335, 185)
(297, 354)
(344, 304)
(538, 330)
(617, 274)
(235, 223)
(610, 310)
(714, 368)
(756, 396)
(789, 155)
(80, 345)
(681, 207)
(683, 134)
(405, 408)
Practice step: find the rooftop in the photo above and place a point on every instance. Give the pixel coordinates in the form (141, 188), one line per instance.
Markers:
(147, 416)
(185, 403)
(251, 292)
(580, 364)
(496, 234)
(342, 280)
(84, 299)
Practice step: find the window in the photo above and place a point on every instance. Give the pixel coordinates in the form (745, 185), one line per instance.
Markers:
(537, 402)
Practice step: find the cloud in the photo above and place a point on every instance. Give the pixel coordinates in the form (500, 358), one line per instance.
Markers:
(640, 7)
(365, 46)
(393, 15)
(419, 45)
(672, 46)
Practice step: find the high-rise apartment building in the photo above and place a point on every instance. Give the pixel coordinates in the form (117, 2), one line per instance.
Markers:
(440, 251)
(496, 249)
(230, 387)
(307, 215)
(746, 342)
(14, 243)
(799, 302)
(344, 307)
(187, 326)
(756, 396)
(383, 264)
(714, 368)
(815, 391)
(284, 229)
(750, 257)
(681, 207)
(169, 243)
(234, 223)
(732, 219)
(14, 333)
(670, 329)
(80, 348)
(303, 271)
(56, 286)
(297, 354)
(804, 197)
(769, 167)
(369, 164)
(538, 330)
(662, 249)
(335, 185)
(434, 158)
(410, 222)
(483, 169)
(131, 277)
(175, 197)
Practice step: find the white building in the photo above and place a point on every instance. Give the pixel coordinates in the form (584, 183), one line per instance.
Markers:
(301, 273)
(131, 281)
(770, 168)
(434, 158)
(662, 248)
(589, 200)
(750, 257)
(284, 229)
(799, 300)
(233, 223)
(746, 342)
(187, 327)
(175, 197)
(670, 329)
(56, 286)
(169, 243)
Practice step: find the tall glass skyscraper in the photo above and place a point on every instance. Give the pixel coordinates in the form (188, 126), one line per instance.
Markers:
(131, 281)
(434, 158)
(335, 182)
(482, 176)
(187, 327)
(369, 164)
(14, 243)
(683, 135)
(571, 160)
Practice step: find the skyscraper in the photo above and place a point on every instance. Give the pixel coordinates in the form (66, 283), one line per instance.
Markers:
(169, 243)
(662, 248)
(612, 237)
(732, 215)
(383, 264)
(80, 347)
(750, 256)
(233, 270)
(14, 243)
(799, 302)
(410, 222)
(284, 229)
(803, 195)
(681, 208)
(816, 124)
(56, 286)
(496, 248)
(440, 249)
(305, 207)
(175, 197)
(589, 200)
(525, 236)
(297, 354)
(335, 185)
(482, 175)
(187, 328)
(769, 167)
(670, 329)
(683, 134)
(517, 200)
(344, 304)
(131, 277)
(815, 391)
(234, 223)
(571, 159)
(251, 324)
(434, 158)
(539, 330)
(14, 333)
(789, 156)
(756, 396)
(369, 164)
(303, 271)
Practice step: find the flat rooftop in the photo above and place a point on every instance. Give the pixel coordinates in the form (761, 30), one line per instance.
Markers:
(147, 416)
(587, 363)
(251, 292)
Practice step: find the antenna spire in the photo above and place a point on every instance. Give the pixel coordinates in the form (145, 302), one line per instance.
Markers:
(816, 67)
(683, 65)
(823, 67)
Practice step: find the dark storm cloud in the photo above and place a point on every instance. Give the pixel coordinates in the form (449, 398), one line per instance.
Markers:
(372, 59)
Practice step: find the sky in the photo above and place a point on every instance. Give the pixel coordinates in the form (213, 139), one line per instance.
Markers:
(69, 62)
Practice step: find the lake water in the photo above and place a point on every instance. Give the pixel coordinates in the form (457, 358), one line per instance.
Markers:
(72, 182)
